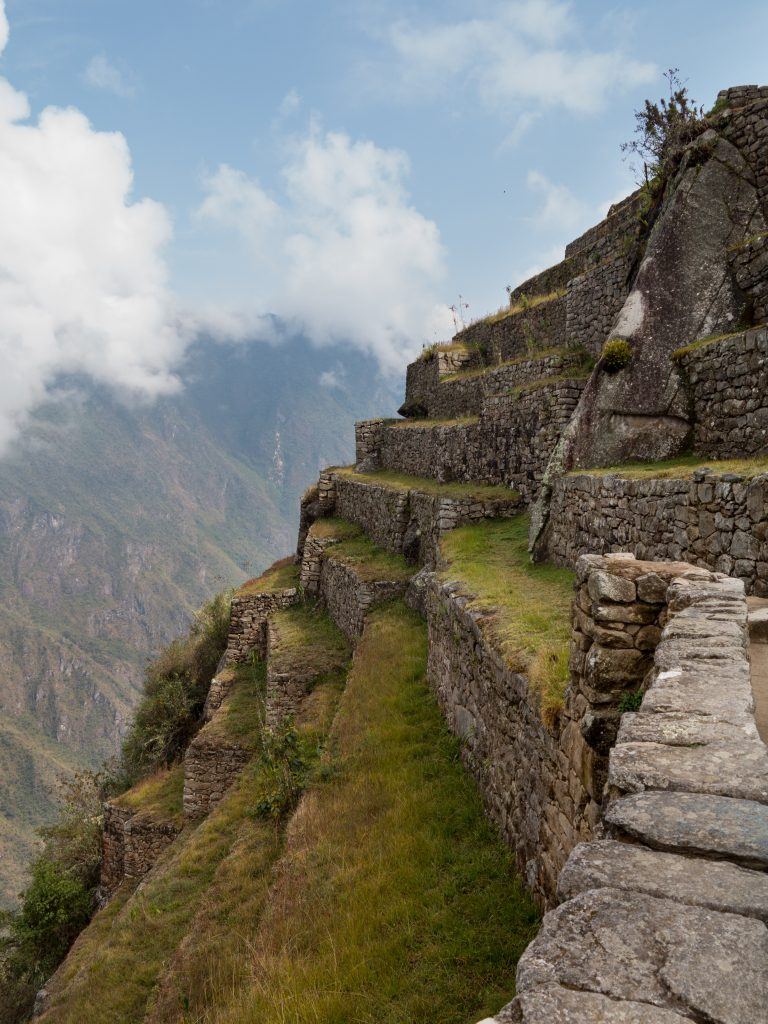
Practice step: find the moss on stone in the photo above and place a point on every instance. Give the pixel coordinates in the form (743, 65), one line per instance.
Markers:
(616, 354)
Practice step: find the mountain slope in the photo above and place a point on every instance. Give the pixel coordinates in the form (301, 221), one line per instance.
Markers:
(116, 522)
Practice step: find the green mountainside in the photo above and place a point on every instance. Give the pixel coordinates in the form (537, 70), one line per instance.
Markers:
(117, 521)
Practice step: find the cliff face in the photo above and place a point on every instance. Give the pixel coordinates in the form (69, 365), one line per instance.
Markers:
(116, 523)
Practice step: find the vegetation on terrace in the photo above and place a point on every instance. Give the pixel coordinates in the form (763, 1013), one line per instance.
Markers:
(283, 575)
(679, 354)
(457, 421)
(119, 967)
(394, 901)
(157, 796)
(388, 899)
(683, 467)
(404, 482)
(528, 605)
(369, 561)
(307, 639)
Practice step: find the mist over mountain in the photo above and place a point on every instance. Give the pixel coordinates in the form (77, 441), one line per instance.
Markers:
(117, 521)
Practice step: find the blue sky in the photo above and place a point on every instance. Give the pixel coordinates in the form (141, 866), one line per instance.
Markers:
(355, 165)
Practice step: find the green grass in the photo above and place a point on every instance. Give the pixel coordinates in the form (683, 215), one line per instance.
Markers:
(395, 901)
(241, 715)
(307, 639)
(404, 482)
(523, 304)
(528, 604)
(152, 952)
(389, 899)
(680, 468)
(371, 562)
(283, 575)
(483, 370)
(338, 529)
(159, 796)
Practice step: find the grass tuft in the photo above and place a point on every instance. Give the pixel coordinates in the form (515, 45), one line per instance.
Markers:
(159, 796)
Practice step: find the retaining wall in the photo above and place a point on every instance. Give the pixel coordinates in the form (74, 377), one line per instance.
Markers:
(664, 920)
(410, 522)
(211, 765)
(132, 843)
(247, 624)
(717, 521)
(348, 596)
(509, 445)
(728, 385)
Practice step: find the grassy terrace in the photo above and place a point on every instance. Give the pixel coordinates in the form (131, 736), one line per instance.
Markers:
(307, 638)
(483, 370)
(681, 468)
(240, 717)
(394, 902)
(369, 561)
(283, 575)
(159, 796)
(155, 953)
(404, 482)
(459, 421)
(388, 899)
(528, 604)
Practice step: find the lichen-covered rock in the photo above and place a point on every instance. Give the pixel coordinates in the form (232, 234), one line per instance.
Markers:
(637, 948)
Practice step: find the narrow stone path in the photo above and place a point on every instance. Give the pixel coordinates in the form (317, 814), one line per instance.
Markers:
(758, 654)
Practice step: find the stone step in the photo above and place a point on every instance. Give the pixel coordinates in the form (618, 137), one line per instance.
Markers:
(407, 515)
(509, 444)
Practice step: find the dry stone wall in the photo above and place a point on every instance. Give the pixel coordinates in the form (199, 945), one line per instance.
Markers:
(509, 445)
(410, 522)
(348, 596)
(131, 844)
(211, 765)
(728, 385)
(663, 920)
(719, 521)
(247, 625)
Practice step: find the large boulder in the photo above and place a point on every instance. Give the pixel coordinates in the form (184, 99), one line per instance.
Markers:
(684, 290)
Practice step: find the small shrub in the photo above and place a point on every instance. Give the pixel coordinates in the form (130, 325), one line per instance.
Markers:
(175, 688)
(664, 129)
(59, 900)
(631, 701)
(286, 761)
(616, 354)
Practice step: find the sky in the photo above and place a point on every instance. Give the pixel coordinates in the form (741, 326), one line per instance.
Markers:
(351, 166)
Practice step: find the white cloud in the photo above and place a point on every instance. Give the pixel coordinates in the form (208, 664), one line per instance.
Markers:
(520, 53)
(82, 277)
(101, 73)
(346, 257)
(289, 104)
(560, 208)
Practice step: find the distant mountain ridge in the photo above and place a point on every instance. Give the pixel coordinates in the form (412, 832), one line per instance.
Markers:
(116, 522)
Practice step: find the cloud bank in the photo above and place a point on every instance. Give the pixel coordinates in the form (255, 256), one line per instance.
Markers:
(83, 284)
(342, 254)
(519, 54)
